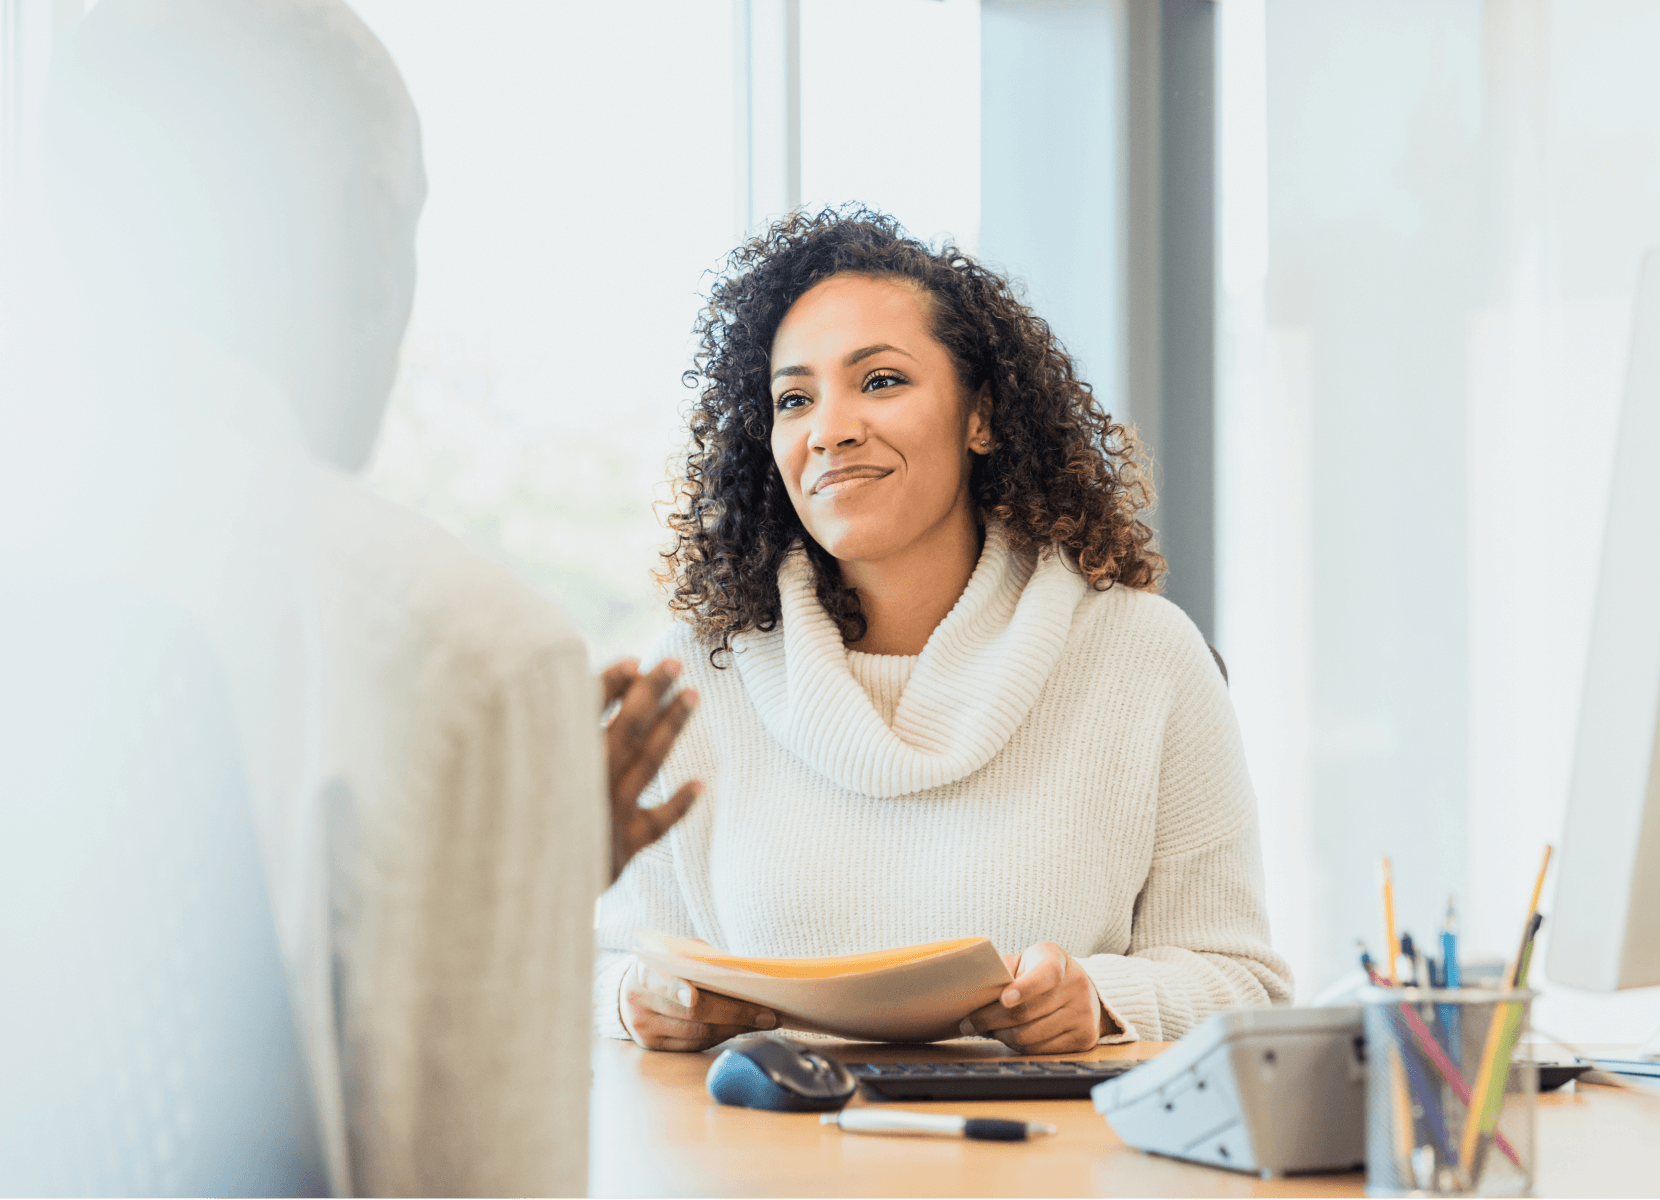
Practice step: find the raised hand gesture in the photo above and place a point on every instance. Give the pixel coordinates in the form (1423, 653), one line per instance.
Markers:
(637, 739)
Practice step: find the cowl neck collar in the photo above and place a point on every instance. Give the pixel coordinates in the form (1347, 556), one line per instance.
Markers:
(976, 680)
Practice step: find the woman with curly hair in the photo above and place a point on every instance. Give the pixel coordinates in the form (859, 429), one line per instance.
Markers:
(940, 695)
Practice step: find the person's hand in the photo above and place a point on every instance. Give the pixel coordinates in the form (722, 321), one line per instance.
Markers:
(637, 739)
(1050, 1008)
(664, 1013)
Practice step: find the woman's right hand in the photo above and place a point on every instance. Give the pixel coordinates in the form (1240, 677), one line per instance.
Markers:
(664, 1013)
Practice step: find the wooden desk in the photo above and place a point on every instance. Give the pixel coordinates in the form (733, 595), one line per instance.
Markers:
(656, 1132)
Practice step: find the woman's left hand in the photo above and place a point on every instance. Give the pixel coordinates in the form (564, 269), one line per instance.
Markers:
(1050, 1008)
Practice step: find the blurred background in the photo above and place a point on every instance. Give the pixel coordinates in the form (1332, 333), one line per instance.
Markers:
(1361, 275)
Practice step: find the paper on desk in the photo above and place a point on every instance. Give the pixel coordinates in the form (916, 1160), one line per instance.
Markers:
(912, 994)
(1642, 1083)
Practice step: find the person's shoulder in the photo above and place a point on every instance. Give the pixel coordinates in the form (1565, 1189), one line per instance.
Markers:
(1147, 612)
(703, 665)
(1161, 632)
(423, 589)
(679, 640)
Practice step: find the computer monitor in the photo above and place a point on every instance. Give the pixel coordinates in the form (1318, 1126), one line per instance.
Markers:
(1606, 923)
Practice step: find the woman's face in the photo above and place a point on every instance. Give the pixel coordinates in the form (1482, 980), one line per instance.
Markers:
(871, 430)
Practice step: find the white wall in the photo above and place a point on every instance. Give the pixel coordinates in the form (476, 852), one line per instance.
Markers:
(1433, 215)
(27, 28)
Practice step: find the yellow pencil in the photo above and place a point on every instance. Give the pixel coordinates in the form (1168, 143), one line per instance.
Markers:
(1405, 1133)
(1391, 947)
(1501, 1036)
(1513, 977)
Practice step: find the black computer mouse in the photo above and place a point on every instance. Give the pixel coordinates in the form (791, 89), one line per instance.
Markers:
(781, 1075)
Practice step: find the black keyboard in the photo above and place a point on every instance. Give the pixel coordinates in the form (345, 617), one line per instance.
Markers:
(972, 1080)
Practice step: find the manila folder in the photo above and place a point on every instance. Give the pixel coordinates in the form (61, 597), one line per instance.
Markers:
(913, 994)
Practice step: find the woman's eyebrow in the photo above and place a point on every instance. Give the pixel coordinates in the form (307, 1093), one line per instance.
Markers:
(867, 351)
(858, 355)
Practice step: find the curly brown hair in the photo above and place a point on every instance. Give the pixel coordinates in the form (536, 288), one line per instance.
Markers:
(1064, 472)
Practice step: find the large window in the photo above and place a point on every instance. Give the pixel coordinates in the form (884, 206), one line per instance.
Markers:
(579, 164)
(582, 175)
(1430, 221)
(890, 111)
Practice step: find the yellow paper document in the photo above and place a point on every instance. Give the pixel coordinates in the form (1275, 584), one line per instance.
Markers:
(912, 994)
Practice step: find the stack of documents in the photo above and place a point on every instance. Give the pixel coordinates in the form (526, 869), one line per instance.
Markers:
(913, 994)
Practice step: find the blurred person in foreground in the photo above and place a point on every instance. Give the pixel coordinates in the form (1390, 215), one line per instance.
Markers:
(236, 186)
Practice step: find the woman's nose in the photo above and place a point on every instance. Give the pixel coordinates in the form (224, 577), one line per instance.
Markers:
(837, 424)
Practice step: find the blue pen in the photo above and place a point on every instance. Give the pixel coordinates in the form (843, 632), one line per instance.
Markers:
(1451, 978)
(1449, 947)
(1366, 965)
(1422, 1090)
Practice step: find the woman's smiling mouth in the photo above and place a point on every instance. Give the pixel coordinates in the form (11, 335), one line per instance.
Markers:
(839, 480)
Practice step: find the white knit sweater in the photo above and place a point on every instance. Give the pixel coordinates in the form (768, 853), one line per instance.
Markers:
(1061, 764)
(418, 733)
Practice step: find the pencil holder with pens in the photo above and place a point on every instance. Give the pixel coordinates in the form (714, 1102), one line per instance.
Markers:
(1447, 1112)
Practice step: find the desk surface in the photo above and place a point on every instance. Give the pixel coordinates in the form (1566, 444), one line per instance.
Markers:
(656, 1132)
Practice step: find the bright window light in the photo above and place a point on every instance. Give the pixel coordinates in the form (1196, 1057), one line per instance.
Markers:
(580, 185)
(580, 165)
(890, 111)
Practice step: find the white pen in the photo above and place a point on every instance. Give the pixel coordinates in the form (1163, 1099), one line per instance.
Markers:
(915, 1124)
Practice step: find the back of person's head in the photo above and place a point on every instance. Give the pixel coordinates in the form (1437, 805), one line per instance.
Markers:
(252, 170)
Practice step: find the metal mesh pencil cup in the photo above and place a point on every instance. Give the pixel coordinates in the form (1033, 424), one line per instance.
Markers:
(1447, 1112)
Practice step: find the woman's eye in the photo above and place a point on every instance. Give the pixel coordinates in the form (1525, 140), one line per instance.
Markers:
(791, 400)
(888, 379)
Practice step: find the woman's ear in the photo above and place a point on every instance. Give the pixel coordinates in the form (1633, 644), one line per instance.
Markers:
(980, 439)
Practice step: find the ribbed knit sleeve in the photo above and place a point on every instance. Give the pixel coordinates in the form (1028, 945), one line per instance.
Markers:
(459, 924)
(1199, 940)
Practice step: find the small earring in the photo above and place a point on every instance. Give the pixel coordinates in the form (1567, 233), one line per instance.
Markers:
(985, 444)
